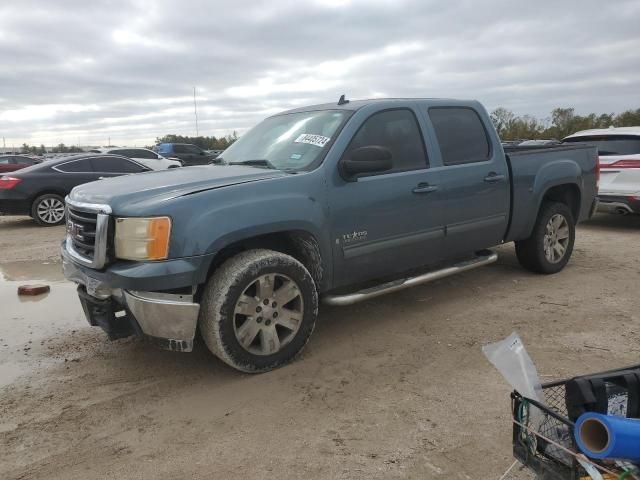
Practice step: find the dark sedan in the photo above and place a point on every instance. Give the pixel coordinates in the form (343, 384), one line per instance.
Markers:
(11, 163)
(39, 190)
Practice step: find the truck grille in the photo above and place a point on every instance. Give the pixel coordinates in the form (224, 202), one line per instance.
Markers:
(81, 227)
(87, 233)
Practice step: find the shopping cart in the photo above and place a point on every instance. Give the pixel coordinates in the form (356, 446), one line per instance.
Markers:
(543, 439)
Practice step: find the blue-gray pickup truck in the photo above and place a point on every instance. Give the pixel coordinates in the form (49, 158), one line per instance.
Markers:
(338, 202)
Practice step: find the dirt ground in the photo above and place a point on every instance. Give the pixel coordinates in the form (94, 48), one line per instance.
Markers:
(396, 387)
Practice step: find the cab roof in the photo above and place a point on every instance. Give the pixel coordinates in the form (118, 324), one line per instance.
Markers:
(353, 105)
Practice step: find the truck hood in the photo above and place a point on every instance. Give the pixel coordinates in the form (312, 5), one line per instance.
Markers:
(164, 185)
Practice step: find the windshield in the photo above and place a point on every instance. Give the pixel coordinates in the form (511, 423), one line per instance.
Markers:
(294, 141)
(612, 144)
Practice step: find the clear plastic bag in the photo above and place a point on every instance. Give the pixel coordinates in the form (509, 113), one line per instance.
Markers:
(513, 362)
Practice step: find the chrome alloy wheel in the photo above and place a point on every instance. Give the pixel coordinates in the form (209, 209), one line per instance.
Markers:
(268, 314)
(50, 210)
(556, 238)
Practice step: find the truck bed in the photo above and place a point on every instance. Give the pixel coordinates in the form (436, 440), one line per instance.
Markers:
(534, 170)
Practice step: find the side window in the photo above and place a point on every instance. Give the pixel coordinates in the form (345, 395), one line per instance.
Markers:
(115, 165)
(180, 149)
(141, 153)
(192, 149)
(5, 160)
(124, 153)
(398, 131)
(76, 166)
(461, 135)
(164, 148)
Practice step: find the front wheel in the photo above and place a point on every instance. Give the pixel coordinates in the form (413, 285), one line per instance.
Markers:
(258, 310)
(550, 245)
(48, 210)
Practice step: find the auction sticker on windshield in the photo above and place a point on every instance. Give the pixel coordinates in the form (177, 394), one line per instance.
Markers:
(317, 140)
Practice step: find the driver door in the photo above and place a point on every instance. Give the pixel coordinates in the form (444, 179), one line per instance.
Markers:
(389, 222)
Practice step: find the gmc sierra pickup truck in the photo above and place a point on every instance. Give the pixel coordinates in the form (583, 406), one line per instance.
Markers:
(339, 202)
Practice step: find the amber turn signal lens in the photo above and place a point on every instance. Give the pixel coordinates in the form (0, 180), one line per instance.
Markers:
(158, 231)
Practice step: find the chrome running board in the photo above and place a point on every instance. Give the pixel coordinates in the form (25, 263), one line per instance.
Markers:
(482, 258)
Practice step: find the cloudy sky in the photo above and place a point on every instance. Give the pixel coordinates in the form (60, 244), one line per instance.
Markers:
(80, 71)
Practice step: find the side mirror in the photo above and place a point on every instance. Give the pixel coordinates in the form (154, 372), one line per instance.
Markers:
(368, 159)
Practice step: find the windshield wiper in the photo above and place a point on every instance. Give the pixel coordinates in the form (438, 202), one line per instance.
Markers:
(258, 162)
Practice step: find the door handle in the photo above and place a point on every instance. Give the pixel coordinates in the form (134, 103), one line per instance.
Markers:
(425, 188)
(493, 177)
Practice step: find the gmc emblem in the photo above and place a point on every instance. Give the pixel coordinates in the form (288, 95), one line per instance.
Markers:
(75, 230)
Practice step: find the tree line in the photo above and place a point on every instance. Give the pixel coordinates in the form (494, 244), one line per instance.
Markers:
(206, 143)
(562, 122)
(41, 150)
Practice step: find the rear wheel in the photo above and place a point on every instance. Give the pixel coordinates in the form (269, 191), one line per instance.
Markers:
(258, 310)
(550, 245)
(48, 210)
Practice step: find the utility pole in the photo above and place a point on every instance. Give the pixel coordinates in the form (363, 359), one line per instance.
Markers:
(195, 110)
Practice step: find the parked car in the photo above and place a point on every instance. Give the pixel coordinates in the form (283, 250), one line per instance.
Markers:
(39, 190)
(339, 202)
(187, 153)
(11, 163)
(539, 143)
(509, 143)
(619, 150)
(215, 153)
(142, 155)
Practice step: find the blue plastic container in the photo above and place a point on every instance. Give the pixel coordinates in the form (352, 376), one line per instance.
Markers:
(604, 436)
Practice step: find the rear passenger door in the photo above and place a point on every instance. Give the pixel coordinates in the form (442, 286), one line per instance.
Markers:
(6, 164)
(474, 181)
(388, 222)
(72, 173)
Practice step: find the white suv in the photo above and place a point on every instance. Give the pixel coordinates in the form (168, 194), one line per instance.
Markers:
(144, 156)
(619, 150)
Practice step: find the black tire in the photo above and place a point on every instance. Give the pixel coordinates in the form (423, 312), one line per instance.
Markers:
(531, 252)
(48, 219)
(218, 318)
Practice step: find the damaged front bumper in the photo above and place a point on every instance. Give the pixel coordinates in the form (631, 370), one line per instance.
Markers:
(169, 320)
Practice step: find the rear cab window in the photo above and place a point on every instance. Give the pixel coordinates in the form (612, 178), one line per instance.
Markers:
(461, 135)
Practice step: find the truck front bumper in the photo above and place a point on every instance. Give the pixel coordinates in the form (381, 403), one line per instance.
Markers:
(167, 319)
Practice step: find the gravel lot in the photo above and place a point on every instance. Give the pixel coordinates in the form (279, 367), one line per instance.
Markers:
(396, 387)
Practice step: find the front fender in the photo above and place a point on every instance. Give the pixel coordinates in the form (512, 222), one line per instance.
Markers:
(206, 222)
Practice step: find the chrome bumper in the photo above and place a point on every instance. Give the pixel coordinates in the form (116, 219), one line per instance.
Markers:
(168, 319)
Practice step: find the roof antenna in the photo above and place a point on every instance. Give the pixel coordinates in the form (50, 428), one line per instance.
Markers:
(342, 100)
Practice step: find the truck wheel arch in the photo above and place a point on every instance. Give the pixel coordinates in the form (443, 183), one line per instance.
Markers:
(299, 244)
(567, 193)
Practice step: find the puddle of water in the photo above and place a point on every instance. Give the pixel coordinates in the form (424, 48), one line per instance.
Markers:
(26, 323)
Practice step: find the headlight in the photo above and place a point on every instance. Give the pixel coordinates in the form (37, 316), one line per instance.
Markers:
(142, 238)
